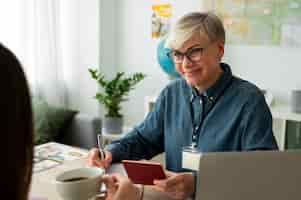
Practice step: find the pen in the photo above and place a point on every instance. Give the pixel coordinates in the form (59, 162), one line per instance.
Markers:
(102, 154)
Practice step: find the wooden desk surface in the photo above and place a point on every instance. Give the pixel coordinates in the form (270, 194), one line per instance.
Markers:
(42, 182)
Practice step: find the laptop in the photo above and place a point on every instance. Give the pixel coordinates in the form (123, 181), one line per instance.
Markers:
(256, 175)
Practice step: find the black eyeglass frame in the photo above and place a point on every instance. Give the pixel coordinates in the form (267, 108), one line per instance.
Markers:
(188, 53)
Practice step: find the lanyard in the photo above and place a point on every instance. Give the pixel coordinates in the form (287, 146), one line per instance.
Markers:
(197, 126)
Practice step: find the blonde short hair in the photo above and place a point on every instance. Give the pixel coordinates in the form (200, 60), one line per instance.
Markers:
(206, 23)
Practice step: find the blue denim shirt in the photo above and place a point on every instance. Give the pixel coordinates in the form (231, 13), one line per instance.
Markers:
(232, 115)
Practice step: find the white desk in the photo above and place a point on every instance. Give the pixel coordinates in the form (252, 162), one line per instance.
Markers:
(42, 185)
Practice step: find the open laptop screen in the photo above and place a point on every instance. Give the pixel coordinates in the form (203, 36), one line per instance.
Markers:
(268, 175)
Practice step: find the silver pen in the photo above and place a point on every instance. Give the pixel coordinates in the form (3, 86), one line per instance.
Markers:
(102, 154)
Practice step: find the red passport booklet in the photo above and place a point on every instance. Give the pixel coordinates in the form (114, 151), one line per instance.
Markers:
(143, 172)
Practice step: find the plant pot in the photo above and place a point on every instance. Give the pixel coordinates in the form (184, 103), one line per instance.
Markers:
(112, 125)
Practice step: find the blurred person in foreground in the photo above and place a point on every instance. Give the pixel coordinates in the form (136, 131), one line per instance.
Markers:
(16, 128)
(17, 135)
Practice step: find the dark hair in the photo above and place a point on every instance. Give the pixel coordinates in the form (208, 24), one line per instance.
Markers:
(16, 128)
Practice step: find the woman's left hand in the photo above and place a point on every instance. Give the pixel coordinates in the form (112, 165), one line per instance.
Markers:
(176, 185)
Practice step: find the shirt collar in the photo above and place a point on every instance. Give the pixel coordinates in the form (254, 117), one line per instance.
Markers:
(217, 88)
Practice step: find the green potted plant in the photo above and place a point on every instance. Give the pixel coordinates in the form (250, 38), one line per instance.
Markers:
(113, 93)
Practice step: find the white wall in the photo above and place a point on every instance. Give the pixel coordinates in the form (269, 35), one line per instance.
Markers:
(108, 37)
(272, 68)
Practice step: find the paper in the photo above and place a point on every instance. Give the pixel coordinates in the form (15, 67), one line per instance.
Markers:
(191, 160)
(45, 164)
(52, 154)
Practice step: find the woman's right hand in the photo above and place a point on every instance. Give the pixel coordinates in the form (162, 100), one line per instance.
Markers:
(95, 161)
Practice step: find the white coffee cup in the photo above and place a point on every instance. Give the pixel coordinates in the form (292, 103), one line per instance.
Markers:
(79, 184)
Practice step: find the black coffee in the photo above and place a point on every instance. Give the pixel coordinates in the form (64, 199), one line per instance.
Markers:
(75, 179)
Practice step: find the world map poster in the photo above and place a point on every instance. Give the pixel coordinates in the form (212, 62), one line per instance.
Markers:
(259, 22)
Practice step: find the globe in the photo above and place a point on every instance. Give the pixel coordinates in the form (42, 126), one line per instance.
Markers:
(166, 62)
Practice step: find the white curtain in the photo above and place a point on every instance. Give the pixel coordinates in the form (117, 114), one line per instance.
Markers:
(32, 31)
(46, 51)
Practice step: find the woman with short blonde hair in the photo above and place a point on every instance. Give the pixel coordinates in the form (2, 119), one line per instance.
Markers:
(208, 109)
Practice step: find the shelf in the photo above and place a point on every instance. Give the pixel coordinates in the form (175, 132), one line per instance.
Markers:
(284, 112)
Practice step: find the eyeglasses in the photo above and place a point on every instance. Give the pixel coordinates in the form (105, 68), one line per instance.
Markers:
(194, 54)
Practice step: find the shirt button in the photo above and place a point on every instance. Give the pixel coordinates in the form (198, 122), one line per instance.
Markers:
(211, 98)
